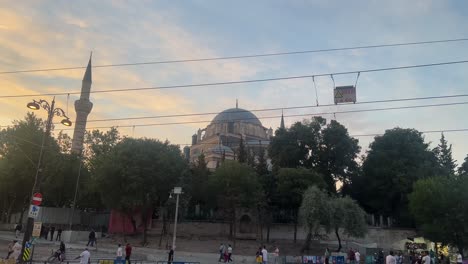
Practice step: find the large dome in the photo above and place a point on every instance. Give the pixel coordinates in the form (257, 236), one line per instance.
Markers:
(236, 114)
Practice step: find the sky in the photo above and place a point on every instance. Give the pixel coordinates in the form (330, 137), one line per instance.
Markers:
(50, 34)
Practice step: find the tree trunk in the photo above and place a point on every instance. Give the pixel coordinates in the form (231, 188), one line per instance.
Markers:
(268, 233)
(339, 239)
(163, 229)
(306, 245)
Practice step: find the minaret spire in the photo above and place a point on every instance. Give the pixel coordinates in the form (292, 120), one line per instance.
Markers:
(282, 120)
(237, 103)
(82, 107)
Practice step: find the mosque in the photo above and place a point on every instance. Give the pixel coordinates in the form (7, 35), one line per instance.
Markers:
(221, 139)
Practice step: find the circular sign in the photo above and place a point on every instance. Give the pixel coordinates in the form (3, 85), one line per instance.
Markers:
(37, 199)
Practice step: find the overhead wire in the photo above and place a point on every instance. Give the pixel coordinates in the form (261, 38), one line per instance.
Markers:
(239, 56)
(246, 81)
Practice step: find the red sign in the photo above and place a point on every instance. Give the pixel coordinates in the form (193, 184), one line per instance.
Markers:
(37, 199)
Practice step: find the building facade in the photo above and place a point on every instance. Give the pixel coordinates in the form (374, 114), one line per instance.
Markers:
(221, 139)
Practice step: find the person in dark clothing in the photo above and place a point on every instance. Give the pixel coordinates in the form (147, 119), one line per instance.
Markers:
(52, 231)
(170, 258)
(128, 252)
(59, 234)
(46, 232)
(91, 238)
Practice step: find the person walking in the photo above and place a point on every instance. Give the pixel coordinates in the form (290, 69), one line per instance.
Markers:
(52, 231)
(258, 256)
(327, 255)
(85, 257)
(119, 252)
(459, 258)
(170, 257)
(222, 248)
(351, 256)
(128, 252)
(18, 228)
(91, 238)
(16, 250)
(229, 251)
(10, 249)
(426, 259)
(59, 234)
(276, 254)
(264, 255)
(357, 256)
(390, 259)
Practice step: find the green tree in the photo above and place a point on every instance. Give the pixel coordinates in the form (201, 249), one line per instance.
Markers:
(439, 206)
(196, 185)
(326, 148)
(334, 213)
(463, 169)
(236, 186)
(291, 185)
(443, 152)
(242, 151)
(139, 174)
(394, 162)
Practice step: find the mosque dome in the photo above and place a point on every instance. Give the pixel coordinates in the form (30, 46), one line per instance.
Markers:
(236, 115)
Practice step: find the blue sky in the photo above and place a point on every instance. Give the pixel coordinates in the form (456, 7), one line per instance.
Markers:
(43, 34)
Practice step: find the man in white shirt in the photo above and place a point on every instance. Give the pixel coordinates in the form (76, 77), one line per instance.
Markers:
(357, 256)
(390, 259)
(84, 257)
(459, 258)
(264, 255)
(119, 252)
(426, 259)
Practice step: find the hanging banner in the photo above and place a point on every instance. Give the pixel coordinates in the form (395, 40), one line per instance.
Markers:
(345, 94)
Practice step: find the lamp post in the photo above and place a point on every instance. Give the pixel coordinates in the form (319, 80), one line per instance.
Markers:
(177, 191)
(51, 112)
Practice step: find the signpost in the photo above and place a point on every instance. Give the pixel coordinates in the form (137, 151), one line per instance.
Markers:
(37, 199)
(37, 229)
(33, 211)
(345, 94)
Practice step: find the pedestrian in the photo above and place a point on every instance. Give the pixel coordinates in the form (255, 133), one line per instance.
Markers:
(18, 228)
(351, 256)
(426, 258)
(170, 257)
(119, 252)
(85, 257)
(459, 258)
(258, 256)
(264, 255)
(229, 251)
(46, 232)
(91, 238)
(59, 234)
(390, 259)
(276, 254)
(380, 258)
(16, 250)
(221, 252)
(52, 231)
(128, 252)
(327, 255)
(10, 248)
(357, 256)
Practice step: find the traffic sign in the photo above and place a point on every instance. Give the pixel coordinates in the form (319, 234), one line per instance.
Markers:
(33, 211)
(37, 229)
(345, 94)
(37, 199)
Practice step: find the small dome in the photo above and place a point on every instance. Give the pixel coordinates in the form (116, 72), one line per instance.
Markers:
(236, 115)
(220, 149)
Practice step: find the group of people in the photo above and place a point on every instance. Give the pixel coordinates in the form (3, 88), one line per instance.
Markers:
(354, 257)
(49, 231)
(225, 253)
(128, 252)
(262, 255)
(425, 257)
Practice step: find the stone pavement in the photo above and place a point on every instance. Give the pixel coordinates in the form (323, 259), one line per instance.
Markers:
(106, 250)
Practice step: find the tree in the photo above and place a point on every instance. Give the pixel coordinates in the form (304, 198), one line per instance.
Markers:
(291, 185)
(443, 152)
(394, 162)
(196, 185)
(139, 174)
(439, 206)
(236, 186)
(326, 148)
(334, 213)
(242, 152)
(463, 169)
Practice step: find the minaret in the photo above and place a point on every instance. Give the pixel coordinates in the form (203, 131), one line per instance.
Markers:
(82, 108)
(282, 120)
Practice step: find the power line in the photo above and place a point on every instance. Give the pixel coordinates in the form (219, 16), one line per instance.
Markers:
(239, 56)
(279, 116)
(246, 81)
(280, 108)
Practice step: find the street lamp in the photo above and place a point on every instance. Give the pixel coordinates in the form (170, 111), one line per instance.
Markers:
(51, 112)
(177, 191)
